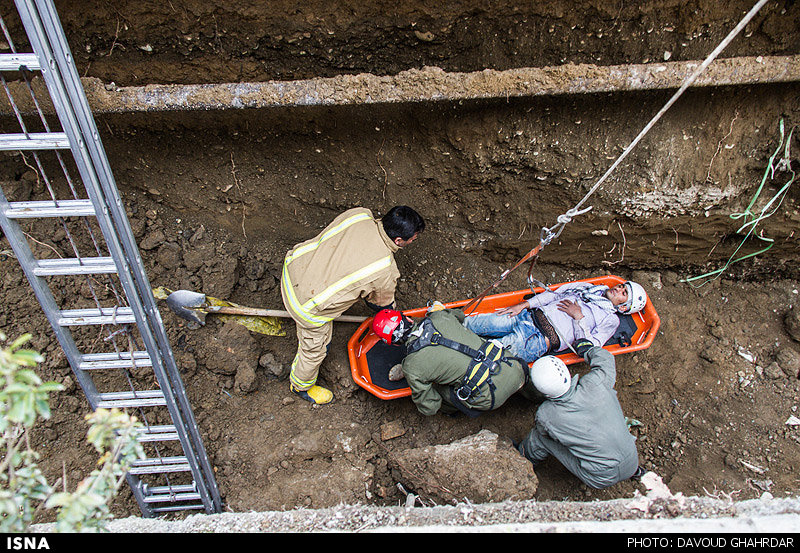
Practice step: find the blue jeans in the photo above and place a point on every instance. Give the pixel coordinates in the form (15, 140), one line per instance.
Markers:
(518, 335)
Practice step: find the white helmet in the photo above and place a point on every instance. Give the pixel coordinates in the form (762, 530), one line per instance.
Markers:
(550, 376)
(637, 298)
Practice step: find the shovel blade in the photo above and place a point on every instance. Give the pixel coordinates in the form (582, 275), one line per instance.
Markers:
(188, 305)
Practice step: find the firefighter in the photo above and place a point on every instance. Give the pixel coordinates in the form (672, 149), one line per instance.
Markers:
(352, 258)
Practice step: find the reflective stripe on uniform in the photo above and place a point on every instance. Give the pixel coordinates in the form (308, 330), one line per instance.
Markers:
(301, 384)
(302, 250)
(302, 310)
(346, 281)
(295, 303)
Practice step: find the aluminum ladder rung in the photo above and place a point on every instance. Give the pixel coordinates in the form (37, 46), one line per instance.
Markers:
(122, 360)
(177, 508)
(172, 498)
(102, 316)
(163, 433)
(74, 266)
(158, 465)
(181, 488)
(62, 208)
(14, 62)
(122, 400)
(34, 141)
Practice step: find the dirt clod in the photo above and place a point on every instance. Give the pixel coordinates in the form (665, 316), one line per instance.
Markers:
(481, 468)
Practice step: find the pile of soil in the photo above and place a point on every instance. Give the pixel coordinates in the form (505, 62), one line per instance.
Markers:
(216, 199)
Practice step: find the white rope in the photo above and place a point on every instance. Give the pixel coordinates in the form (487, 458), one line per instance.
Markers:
(549, 233)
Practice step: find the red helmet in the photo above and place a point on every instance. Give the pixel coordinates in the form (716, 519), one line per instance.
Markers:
(385, 323)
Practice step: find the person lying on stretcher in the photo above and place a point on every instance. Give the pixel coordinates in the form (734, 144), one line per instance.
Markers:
(548, 322)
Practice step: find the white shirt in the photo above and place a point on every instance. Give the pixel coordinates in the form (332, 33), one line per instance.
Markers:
(597, 324)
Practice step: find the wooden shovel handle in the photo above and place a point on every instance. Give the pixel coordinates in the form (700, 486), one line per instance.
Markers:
(257, 312)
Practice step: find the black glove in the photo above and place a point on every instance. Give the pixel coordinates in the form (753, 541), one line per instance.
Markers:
(582, 346)
(377, 308)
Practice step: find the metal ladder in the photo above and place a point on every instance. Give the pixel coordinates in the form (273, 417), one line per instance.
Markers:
(126, 361)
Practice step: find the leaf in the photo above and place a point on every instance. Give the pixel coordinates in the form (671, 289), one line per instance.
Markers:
(58, 499)
(28, 376)
(27, 357)
(43, 408)
(49, 387)
(19, 341)
(16, 412)
(161, 293)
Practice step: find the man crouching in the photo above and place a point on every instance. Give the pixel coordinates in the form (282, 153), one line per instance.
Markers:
(581, 422)
(449, 368)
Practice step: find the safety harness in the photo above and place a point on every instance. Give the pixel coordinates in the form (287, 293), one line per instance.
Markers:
(484, 363)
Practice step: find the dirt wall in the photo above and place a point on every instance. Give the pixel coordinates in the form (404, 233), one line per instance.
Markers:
(669, 204)
(192, 41)
(216, 198)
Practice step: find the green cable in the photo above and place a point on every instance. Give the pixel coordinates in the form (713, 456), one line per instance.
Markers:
(769, 171)
(763, 179)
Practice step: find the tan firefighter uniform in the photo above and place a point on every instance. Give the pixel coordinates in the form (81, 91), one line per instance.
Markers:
(351, 258)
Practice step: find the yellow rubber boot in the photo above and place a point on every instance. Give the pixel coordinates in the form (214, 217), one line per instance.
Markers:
(315, 394)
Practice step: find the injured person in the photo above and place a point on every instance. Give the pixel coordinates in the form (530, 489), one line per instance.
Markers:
(551, 320)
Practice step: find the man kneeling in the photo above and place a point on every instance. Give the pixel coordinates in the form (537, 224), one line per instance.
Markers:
(448, 367)
(581, 422)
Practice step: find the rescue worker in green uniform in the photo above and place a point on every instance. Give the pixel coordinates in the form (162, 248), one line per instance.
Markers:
(581, 422)
(451, 369)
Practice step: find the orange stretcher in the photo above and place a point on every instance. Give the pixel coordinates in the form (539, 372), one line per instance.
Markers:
(371, 358)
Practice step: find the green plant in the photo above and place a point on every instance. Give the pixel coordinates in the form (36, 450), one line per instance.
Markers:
(113, 435)
(24, 398)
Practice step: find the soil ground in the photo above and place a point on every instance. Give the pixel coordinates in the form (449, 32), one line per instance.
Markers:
(216, 199)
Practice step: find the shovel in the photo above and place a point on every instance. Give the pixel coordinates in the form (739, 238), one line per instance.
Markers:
(193, 306)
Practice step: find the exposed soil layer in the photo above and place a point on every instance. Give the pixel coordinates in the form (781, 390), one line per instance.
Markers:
(191, 41)
(216, 199)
